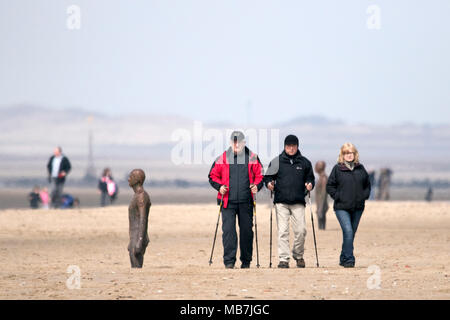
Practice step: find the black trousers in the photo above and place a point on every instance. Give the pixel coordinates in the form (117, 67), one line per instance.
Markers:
(105, 199)
(244, 212)
(57, 191)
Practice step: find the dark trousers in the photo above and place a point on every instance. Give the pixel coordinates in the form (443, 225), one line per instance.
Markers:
(349, 221)
(105, 199)
(244, 212)
(57, 191)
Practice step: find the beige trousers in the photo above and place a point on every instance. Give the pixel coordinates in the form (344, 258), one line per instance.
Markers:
(285, 212)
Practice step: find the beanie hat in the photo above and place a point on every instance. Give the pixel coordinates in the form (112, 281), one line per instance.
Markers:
(291, 139)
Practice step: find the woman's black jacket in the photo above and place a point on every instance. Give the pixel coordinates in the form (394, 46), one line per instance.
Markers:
(349, 188)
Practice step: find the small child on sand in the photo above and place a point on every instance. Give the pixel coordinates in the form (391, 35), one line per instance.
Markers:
(45, 198)
(33, 198)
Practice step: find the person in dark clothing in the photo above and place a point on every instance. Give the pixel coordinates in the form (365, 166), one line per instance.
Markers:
(34, 198)
(58, 167)
(290, 176)
(349, 186)
(429, 194)
(237, 176)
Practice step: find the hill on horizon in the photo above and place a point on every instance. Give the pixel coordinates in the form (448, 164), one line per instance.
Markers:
(31, 132)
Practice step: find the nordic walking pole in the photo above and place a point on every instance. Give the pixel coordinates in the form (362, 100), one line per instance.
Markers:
(215, 234)
(256, 230)
(271, 207)
(312, 222)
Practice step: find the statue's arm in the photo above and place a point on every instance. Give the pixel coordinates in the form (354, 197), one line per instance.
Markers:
(143, 217)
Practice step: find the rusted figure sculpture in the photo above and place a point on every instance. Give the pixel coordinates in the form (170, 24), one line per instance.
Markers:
(321, 194)
(138, 218)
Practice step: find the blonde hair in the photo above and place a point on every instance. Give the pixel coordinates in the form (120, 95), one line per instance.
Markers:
(348, 147)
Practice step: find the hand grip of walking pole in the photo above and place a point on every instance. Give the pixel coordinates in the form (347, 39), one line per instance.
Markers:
(314, 233)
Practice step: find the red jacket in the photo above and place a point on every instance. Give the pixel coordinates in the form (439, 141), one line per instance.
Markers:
(220, 174)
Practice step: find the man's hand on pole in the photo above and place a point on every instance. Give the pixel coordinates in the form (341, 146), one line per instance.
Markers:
(271, 185)
(308, 186)
(223, 189)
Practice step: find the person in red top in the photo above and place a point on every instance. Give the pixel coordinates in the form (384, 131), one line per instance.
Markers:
(237, 175)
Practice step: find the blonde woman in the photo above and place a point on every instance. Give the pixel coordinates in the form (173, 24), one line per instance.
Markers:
(349, 186)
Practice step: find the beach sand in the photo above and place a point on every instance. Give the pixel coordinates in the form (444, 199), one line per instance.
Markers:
(401, 247)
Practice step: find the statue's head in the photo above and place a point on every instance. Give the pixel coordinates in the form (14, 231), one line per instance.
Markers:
(320, 166)
(136, 177)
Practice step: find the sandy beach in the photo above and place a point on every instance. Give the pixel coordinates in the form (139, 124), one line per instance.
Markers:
(401, 247)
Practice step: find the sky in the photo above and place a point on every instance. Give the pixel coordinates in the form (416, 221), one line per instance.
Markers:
(253, 61)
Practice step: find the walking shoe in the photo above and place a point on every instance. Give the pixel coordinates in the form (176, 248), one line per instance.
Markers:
(245, 265)
(283, 264)
(349, 265)
(229, 266)
(300, 263)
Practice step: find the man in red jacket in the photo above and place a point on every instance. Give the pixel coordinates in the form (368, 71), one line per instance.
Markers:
(237, 176)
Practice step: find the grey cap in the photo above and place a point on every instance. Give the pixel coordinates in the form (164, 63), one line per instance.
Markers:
(237, 136)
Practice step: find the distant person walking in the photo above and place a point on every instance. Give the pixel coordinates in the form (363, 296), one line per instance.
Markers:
(290, 176)
(349, 186)
(58, 167)
(107, 187)
(237, 175)
(429, 194)
(321, 194)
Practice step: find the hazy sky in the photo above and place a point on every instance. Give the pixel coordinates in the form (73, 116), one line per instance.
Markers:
(206, 59)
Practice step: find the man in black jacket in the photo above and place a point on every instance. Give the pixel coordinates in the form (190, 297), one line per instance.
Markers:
(58, 167)
(290, 176)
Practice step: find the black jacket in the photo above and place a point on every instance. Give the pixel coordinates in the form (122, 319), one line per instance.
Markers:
(290, 175)
(239, 180)
(64, 166)
(349, 189)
